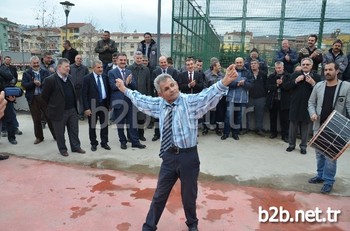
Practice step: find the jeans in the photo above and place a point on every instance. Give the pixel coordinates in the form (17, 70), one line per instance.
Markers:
(326, 168)
(233, 118)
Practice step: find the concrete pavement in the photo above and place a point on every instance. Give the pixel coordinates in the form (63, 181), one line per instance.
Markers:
(111, 190)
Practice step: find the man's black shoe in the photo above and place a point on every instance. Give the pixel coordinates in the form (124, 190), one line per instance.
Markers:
(140, 146)
(3, 157)
(235, 137)
(285, 139)
(93, 148)
(79, 150)
(303, 151)
(123, 146)
(18, 132)
(142, 138)
(193, 228)
(273, 136)
(289, 149)
(315, 180)
(327, 188)
(13, 141)
(106, 146)
(205, 131)
(219, 132)
(224, 137)
(155, 138)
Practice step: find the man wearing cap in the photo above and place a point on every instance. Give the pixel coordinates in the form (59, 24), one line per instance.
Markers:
(254, 54)
(335, 54)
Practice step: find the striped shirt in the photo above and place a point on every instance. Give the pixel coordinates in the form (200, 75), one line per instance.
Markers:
(188, 109)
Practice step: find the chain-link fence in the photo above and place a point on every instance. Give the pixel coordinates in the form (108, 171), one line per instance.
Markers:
(231, 28)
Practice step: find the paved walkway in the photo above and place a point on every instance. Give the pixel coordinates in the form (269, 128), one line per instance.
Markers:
(111, 190)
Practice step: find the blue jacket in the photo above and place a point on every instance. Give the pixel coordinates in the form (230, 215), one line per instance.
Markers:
(288, 65)
(28, 82)
(117, 97)
(239, 94)
(340, 59)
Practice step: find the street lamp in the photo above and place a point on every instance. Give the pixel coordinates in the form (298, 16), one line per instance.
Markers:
(66, 7)
(23, 66)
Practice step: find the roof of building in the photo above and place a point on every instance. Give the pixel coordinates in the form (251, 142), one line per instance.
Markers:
(6, 20)
(74, 25)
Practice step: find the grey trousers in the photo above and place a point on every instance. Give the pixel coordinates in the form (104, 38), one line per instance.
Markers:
(70, 120)
(293, 131)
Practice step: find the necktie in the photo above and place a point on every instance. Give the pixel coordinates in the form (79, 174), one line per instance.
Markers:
(37, 89)
(99, 86)
(123, 74)
(167, 130)
(164, 71)
(190, 78)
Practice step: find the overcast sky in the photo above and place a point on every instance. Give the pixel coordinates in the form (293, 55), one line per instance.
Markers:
(139, 15)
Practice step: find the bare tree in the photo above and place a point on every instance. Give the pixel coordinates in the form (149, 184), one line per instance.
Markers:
(46, 15)
(89, 38)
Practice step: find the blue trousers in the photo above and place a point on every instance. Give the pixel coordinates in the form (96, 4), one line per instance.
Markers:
(326, 168)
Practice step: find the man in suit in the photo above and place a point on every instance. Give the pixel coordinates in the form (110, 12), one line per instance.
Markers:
(32, 82)
(59, 94)
(95, 95)
(162, 69)
(300, 85)
(124, 111)
(190, 81)
(331, 94)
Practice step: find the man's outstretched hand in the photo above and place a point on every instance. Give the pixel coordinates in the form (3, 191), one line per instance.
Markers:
(231, 75)
(120, 85)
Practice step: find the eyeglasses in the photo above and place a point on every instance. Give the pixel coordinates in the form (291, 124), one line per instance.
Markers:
(306, 64)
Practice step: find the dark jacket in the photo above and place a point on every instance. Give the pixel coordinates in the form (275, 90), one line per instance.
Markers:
(183, 82)
(105, 54)
(258, 90)
(152, 53)
(78, 73)
(272, 91)
(70, 54)
(53, 95)
(171, 71)
(5, 78)
(299, 93)
(288, 65)
(142, 77)
(346, 74)
(90, 91)
(28, 82)
(262, 64)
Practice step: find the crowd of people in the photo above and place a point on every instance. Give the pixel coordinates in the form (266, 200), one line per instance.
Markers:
(148, 92)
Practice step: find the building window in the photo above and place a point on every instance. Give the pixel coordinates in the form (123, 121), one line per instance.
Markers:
(131, 53)
(132, 45)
